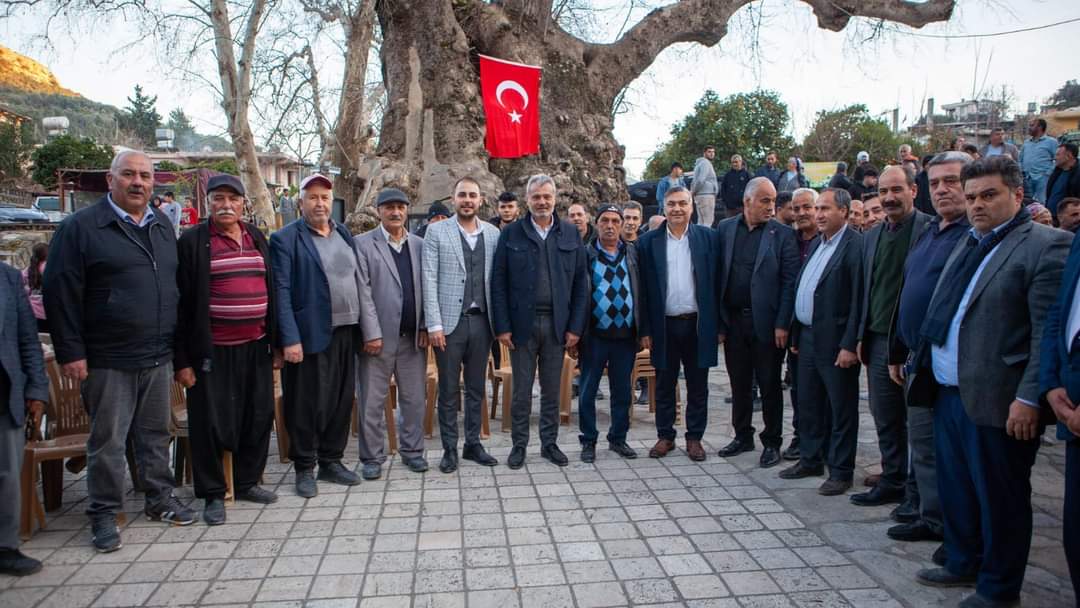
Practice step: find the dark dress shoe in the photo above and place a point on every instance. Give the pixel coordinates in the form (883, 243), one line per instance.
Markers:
(913, 532)
(736, 447)
(479, 455)
(449, 461)
(258, 495)
(940, 577)
(770, 457)
(694, 450)
(871, 480)
(416, 464)
(662, 448)
(799, 471)
(620, 448)
(792, 451)
(939, 555)
(335, 472)
(214, 512)
(977, 601)
(517, 458)
(588, 452)
(13, 562)
(878, 496)
(834, 487)
(552, 453)
(906, 512)
(305, 484)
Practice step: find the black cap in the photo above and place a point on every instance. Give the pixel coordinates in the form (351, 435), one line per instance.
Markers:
(391, 195)
(437, 208)
(609, 208)
(225, 181)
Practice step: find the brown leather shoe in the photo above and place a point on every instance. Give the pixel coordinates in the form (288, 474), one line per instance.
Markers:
(694, 450)
(661, 449)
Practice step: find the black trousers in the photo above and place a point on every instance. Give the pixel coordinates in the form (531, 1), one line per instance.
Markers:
(318, 401)
(830, 408)
(890, 412)
(231, 408)
(682, 342)
(747, 357)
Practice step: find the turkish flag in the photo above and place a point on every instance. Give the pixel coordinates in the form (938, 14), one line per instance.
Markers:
(511, 93)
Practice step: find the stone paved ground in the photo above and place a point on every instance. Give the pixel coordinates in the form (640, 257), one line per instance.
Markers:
(664, 533)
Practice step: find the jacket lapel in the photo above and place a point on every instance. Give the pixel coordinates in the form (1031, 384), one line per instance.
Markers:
(306, 239)
(729, 240)
(836, 256)
(384, 252)
(660, 256)
(457, 245)
(1068, 285)
(765, 243)
(998, 258)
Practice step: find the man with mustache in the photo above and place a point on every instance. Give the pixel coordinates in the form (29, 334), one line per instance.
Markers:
(110, 296)
(458, 260)
(539, 302)
(225, 327)
(886, 248)
(319, 298)
(395, 337)
(873, 213)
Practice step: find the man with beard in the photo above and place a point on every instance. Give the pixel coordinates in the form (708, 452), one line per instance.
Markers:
(632, 214)
(873, 212)
(770, 169)
(705, 187)
(1069, 214)
(732, 186)
(1037, 159)
(886, 249)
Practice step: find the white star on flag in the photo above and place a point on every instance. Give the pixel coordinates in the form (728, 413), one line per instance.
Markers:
(515, 117)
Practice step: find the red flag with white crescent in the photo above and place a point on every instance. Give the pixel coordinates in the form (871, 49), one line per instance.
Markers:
(511, 94)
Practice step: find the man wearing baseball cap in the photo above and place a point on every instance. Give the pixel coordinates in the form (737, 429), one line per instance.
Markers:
(223, 356)
(319, 298)
(395, 337)
(610, 339)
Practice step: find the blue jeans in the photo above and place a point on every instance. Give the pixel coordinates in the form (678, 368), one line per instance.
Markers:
(1035, 187)
(618, 357)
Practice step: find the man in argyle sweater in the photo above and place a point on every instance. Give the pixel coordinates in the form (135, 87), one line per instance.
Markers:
(611, 337)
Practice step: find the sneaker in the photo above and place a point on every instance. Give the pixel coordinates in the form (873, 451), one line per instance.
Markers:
(588, 451)
(620, 448)
(258, 495)
(105, 534)
(335, 472)
(305, 484)
(172, 511)
(214, 512)
(13, 562)
(371, 470)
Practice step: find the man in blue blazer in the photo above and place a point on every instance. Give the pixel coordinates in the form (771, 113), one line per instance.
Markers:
(678, 265)
(759, 261)
(319, 299)
(1059, 388)
(24, 389)
(540, 303)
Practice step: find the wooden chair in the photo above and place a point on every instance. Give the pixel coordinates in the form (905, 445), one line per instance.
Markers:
(432, 382)
(566, 389)
(179, 429)
(643, 368)
(503, 377)
(67, 433)
(279, 419)
(391, 420)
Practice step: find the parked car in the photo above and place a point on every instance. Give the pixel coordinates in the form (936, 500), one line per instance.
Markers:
(50, 206)
(22, 215)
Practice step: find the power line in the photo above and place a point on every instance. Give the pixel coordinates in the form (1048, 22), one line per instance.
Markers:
(990, 35)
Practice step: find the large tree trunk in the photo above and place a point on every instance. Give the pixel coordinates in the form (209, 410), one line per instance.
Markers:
(352, 135)
(433, 129)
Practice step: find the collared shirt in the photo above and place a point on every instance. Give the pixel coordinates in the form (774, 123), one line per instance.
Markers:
(471, 237)
(395, 245)
(238, 297)
(804, 244)
(946, 358)
(1037, 156)
(126, 217)
(681, 294)
(815, 267)
(921, 273)
(542, 232)
(741, 270)
(1072, 326)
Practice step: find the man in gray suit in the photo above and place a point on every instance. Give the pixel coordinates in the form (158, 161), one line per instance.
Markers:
(395, 340)
(458, 258)
(886, 248)
(24, 389)
(978, 359)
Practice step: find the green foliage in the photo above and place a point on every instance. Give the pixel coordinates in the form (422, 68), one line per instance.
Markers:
(167, 165)
(749, 124)
(87, 118)
(841, 134)
(1065, 97)
(68, 152)
(227, 165)
(141, 116)
(16, 143)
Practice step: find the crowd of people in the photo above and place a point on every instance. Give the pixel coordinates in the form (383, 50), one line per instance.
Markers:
(964, 318)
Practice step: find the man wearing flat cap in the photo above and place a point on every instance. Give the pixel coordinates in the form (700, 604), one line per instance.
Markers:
(223, 355)
(437, 212)
(319, 298)
(395, 337)
(610, 339)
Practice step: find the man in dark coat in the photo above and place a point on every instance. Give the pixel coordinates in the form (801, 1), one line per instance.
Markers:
(732, 186)
(225, 327)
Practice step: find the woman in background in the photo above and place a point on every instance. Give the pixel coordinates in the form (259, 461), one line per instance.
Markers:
(32, 283)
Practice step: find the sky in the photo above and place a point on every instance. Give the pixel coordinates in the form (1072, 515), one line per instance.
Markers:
(810, 68)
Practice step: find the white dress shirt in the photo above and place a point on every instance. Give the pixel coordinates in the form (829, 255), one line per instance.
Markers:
(543, 232)
(1072, 326)
(396, 245)
(815, 267)
(681, 295)
(471, 237)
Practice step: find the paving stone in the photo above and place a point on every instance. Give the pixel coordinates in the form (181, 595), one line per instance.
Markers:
(749, 583)
(846, 577)
(637, 567)
(117, 596)
(651, 591)
(588, 572)
(579, 552)
(438, 600)
(684, 564)
(547, 597)
(798, 579)
(440, 581)
(388, 583)
(489, 578)
(497, 598)
(701, 586)
(68, 596)
(597, 595)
